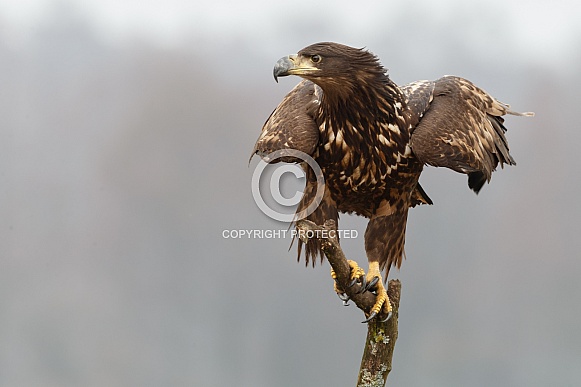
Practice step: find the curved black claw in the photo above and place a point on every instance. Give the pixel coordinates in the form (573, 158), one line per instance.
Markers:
(371, 284)
(363, 281)
(371, 317)
(353, 282)
(388, 317)
(345, 298)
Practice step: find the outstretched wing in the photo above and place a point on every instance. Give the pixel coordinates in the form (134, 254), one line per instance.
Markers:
(461, 128)
(292, 124)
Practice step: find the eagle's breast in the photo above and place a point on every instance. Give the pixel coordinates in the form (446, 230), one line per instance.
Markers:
(362, 159)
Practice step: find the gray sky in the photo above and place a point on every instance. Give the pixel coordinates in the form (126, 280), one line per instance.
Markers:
(126, 128)
(529, 27)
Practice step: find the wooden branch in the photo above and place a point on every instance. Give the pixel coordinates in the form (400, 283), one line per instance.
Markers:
(381, 336)
(330, 245)
(380, 344)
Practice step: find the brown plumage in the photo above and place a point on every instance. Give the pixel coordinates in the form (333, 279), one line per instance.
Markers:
(371, 139)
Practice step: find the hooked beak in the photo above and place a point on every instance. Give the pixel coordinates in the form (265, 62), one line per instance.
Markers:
(292, 65)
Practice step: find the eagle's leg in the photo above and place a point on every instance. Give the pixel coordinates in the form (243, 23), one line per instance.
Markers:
(357, 274)
(382, 301)
(384, 243)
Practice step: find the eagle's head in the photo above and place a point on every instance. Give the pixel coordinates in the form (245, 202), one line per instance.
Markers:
(332, 66)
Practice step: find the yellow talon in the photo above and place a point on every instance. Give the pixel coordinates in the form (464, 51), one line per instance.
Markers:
(374, 280)
(356, 273)
(382, 300)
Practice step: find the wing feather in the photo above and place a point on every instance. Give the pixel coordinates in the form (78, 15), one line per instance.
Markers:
(462, 129)
(418, 96)
(292, 124)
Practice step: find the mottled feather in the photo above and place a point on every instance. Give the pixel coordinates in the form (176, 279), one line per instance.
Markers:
(418, 96)
(292, 124)
(462, 130)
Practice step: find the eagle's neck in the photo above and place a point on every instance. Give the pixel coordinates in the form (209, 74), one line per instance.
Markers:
(369, 105)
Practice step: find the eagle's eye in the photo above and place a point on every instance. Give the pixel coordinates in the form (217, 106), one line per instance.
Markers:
(315, 58)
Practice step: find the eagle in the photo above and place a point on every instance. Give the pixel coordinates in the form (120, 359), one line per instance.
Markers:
(371, 139)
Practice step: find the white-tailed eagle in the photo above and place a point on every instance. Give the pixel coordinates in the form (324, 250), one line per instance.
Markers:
(372, 138)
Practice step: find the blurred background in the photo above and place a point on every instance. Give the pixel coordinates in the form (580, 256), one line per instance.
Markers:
(125, 132)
